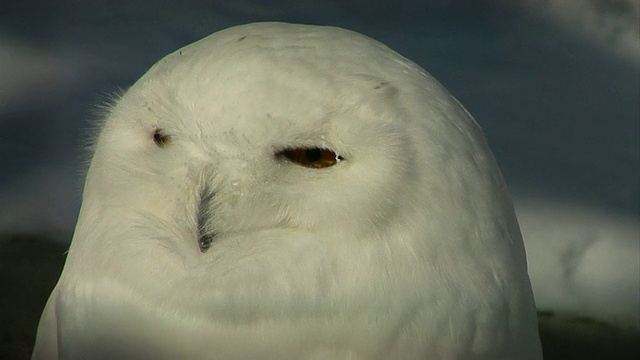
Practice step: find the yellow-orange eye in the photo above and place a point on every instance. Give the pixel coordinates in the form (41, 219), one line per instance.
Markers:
(311, 157)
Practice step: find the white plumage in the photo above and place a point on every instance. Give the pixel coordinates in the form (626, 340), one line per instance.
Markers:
(279, 191)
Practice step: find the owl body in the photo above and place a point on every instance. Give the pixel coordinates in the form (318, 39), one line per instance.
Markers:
(287, 191)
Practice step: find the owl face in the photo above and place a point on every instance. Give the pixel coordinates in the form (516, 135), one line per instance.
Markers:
(255, 133)
(290, 128)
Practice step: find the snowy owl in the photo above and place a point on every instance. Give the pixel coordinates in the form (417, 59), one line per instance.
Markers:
(279, 191)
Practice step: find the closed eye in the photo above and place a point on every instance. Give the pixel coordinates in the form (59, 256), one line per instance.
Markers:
(160, 138)
(313, 157)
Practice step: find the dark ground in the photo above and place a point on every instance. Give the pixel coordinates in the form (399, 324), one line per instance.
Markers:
(31, 266)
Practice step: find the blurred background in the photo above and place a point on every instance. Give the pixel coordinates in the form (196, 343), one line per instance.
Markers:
(555, 84)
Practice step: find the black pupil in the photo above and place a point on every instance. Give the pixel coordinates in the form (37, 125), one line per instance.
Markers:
(313, 155)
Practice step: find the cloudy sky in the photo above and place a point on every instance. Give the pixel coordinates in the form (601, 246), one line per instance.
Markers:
(554, 84)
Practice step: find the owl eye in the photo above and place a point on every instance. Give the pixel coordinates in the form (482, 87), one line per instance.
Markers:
(160, 138)
(311, 157)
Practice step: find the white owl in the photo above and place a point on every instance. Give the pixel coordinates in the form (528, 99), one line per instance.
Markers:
(279, 191)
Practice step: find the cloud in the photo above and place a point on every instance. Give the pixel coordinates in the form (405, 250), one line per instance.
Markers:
(31, 76)
(583, 261)
(613, 25)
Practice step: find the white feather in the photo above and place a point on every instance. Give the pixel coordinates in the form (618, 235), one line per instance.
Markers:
(407, 249)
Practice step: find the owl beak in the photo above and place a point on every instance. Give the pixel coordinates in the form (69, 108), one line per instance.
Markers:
(206, 235)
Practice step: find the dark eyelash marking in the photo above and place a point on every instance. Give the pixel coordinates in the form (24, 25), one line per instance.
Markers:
(161, 139)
